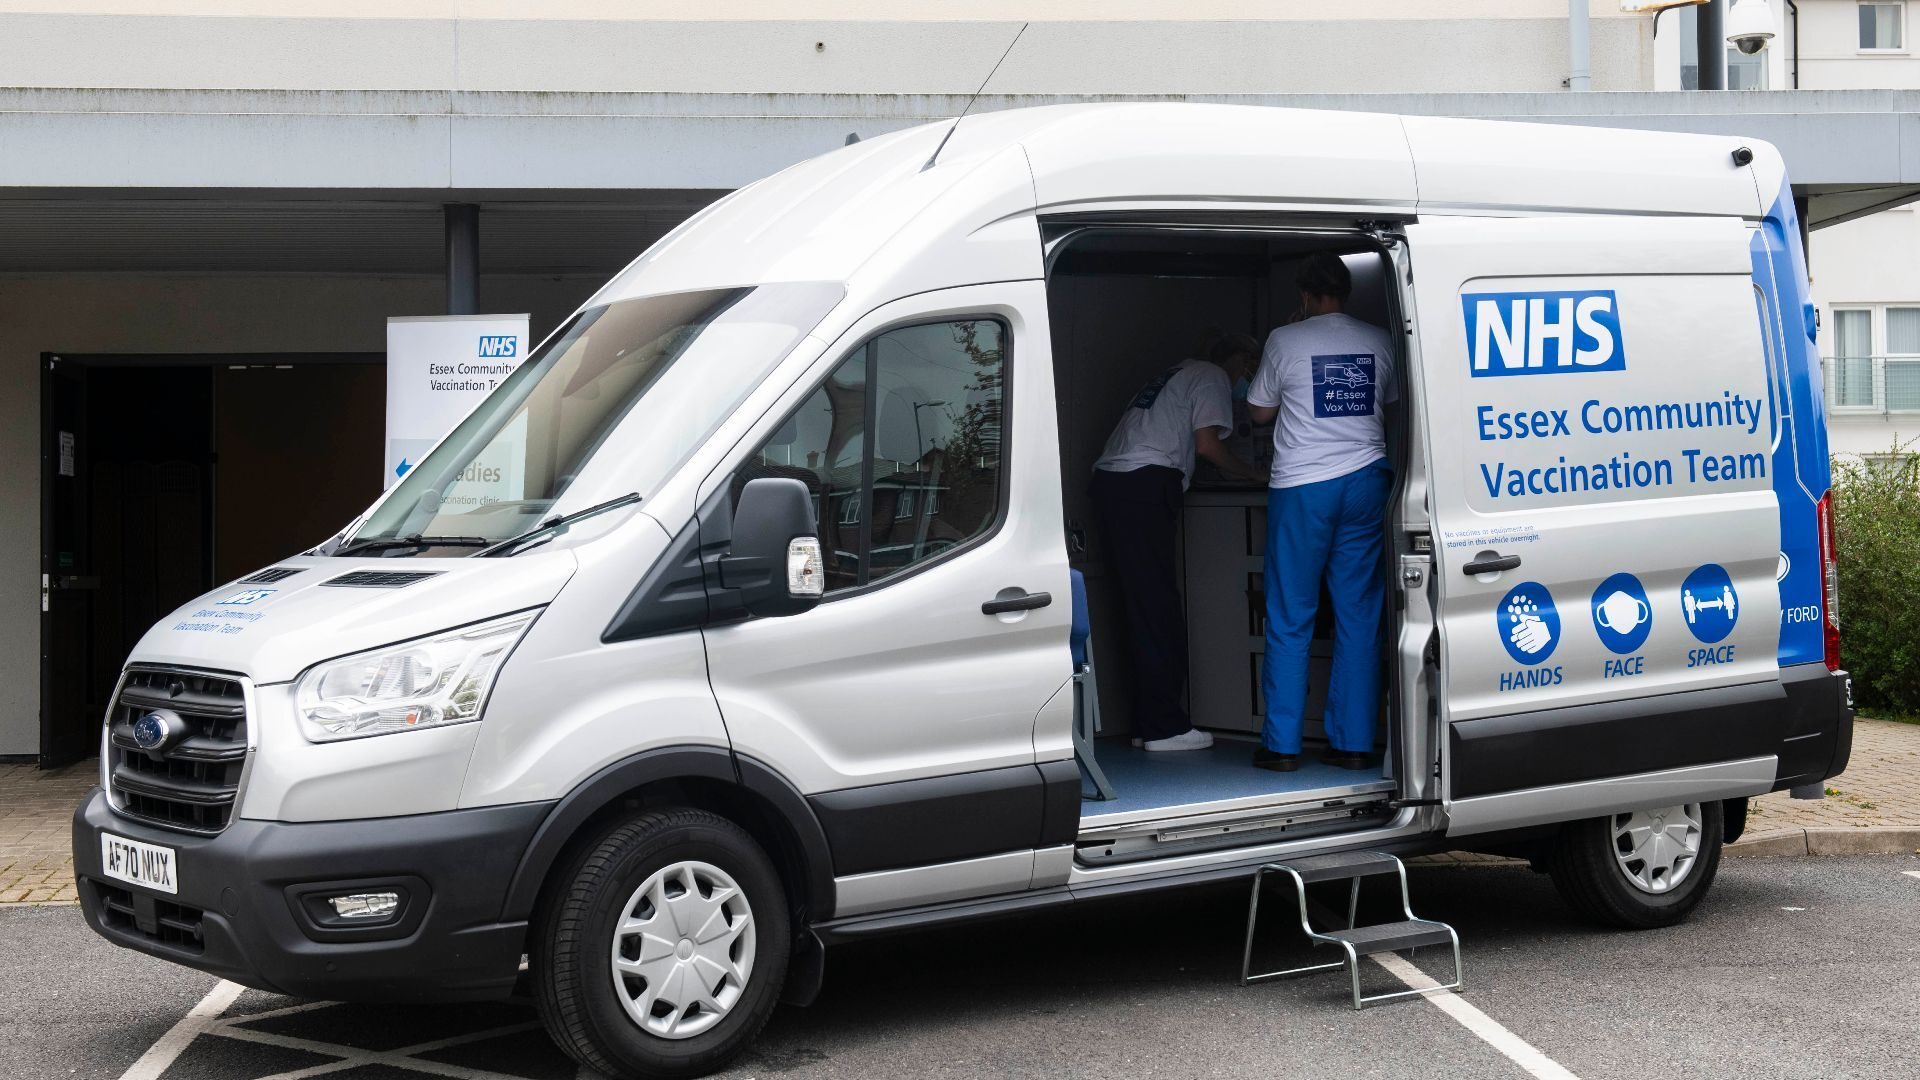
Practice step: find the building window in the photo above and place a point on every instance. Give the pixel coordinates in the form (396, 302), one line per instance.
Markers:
(1852, 364)
(1882, 25)
(1744, 72)
(928, 463)
(1902, 377)
(1875, 371)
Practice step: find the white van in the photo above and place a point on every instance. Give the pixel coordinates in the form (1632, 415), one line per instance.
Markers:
(739, 620)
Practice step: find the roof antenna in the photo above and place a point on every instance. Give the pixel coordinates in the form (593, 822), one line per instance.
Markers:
(976, 97)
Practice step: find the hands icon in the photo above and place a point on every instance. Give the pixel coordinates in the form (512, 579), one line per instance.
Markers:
(1529, 633)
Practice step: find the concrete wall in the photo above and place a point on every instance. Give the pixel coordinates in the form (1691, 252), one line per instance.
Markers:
(815, 46)
(100, 313)
(1871, 260)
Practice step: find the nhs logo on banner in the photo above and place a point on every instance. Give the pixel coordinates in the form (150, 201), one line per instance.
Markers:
(502, 346)
(1543, 333)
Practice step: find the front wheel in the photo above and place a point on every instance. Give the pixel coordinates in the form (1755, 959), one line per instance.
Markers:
(1639, 869)
(664, 954)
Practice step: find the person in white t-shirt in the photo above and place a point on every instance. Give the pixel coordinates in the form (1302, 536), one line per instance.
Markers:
(1324, 382)
(1138, 483)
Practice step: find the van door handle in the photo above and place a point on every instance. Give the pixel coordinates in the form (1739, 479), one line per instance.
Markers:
(1017, 601)
(1490, 562)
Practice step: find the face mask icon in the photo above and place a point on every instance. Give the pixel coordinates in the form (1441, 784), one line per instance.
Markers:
(1622, 612)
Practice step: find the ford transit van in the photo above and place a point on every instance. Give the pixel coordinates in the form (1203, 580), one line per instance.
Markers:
(755, 630)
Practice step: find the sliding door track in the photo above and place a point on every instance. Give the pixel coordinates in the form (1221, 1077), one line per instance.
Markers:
(1187, 830)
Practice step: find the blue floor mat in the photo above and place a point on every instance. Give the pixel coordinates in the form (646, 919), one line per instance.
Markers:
(1143, 781)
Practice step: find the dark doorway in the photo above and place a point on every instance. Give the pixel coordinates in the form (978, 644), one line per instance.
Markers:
(163, 475)
(300, 453)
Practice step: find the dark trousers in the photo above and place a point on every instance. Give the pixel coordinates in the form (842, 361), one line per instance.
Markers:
(1139, 519)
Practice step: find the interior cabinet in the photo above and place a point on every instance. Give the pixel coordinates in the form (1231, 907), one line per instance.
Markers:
(1224, 584)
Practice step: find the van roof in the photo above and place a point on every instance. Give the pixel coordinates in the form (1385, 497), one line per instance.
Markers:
(824, 218)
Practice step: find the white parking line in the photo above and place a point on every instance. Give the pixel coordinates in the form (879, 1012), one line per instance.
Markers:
(198, 1019)
(1513, 1047)
(352, 1057)
(1911, 873)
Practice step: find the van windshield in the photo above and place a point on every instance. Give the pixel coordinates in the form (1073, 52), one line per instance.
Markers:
(669, 368)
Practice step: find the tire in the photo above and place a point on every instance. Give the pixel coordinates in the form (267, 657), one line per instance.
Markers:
(1594, 868)
(708, 1000)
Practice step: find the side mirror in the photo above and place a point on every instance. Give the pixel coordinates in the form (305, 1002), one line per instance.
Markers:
(775, 559)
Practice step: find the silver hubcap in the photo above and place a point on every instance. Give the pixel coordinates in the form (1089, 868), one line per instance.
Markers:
(683, 951)
(1656, 849)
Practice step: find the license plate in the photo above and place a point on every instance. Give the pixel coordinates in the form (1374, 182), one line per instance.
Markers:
(147, 865)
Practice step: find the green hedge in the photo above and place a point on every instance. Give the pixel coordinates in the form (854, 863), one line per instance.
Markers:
(1877, 531)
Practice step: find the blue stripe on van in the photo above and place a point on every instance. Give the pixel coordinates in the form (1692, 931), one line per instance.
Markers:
(1801, 471)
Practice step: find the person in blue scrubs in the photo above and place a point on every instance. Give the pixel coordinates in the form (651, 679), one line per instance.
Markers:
(1323, 381)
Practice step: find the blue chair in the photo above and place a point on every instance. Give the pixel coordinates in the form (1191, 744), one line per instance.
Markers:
(1086, 693)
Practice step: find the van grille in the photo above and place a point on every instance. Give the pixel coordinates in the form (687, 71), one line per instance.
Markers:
(170, 924)
(193, 783)
(271, 575)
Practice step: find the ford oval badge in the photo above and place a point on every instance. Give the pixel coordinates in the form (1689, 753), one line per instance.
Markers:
(157, 730)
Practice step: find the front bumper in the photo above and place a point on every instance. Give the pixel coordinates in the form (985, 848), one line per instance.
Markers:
(246, 907)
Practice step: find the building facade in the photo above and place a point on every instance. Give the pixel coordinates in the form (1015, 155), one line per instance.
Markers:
(1866, 271)
(208, 209)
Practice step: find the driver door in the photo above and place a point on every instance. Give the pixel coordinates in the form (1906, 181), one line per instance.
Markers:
(903, 706)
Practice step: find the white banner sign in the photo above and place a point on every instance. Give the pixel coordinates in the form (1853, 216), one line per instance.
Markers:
(438, 369)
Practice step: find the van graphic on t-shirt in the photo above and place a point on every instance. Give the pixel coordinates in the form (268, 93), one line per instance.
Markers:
(1343, 385)
(1150, 393)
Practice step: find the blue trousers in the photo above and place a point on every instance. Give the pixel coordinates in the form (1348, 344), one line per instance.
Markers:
(1332, 530)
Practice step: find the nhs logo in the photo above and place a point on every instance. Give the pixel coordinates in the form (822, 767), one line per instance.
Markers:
(1543, 333)
(250, 596)
(501, 346)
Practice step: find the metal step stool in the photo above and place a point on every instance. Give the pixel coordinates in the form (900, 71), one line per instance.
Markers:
(1356, 941)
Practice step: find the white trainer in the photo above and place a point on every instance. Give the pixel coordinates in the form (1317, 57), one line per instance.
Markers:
(1191, 739)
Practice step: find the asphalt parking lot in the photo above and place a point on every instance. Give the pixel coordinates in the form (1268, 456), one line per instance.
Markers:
(1795, 967)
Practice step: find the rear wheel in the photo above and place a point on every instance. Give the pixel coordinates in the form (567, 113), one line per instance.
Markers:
(664, 954)
(1640, 869)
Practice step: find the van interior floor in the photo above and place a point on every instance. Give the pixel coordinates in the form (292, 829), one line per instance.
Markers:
(1223, 772)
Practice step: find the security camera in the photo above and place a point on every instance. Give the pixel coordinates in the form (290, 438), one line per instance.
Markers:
(1750, 26)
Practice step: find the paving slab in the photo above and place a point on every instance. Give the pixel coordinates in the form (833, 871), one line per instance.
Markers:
(36, 855)
(1881, 786)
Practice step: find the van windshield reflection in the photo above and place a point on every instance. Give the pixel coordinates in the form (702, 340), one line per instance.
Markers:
(653, 376)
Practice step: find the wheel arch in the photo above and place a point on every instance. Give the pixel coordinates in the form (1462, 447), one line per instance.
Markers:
(743, 790)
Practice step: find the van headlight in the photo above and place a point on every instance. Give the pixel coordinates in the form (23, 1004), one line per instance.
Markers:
(428, 682)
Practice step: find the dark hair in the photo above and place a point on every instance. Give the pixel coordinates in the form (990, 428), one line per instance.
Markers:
(1231, 345)
(1323, 274)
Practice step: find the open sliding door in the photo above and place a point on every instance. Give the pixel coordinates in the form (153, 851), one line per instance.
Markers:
(1606, 533)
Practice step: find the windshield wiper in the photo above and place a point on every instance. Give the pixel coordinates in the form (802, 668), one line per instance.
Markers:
(387, 543)
(552, 527)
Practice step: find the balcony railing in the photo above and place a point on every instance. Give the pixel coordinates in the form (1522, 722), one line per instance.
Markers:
(1859, 385)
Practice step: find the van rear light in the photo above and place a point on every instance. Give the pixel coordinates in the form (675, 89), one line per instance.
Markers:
(1829, 582)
